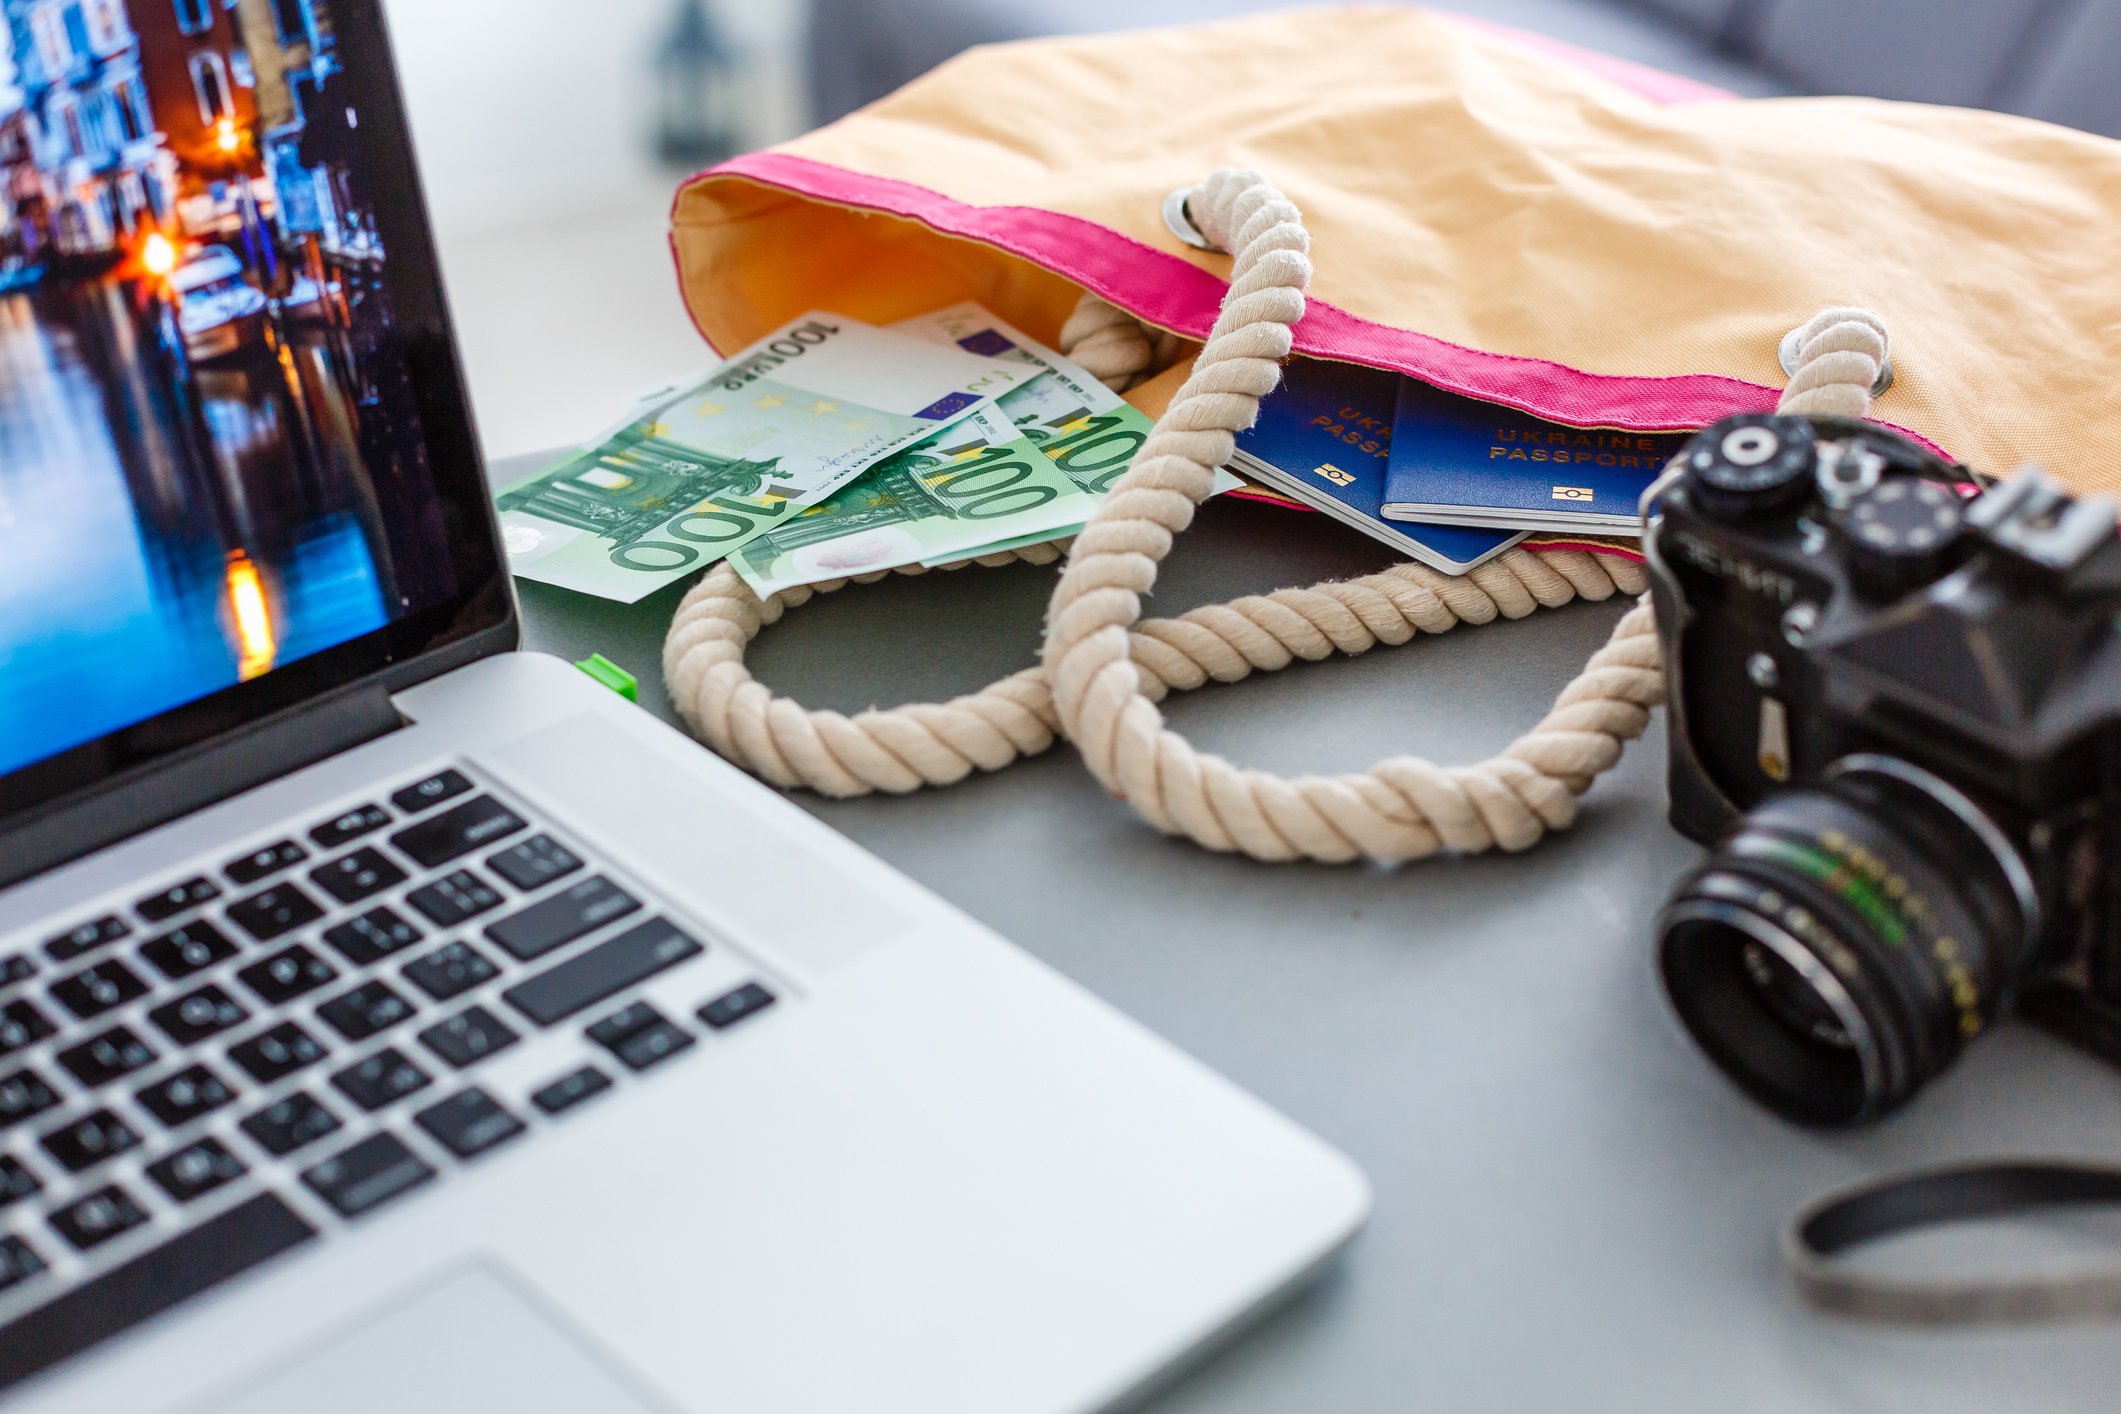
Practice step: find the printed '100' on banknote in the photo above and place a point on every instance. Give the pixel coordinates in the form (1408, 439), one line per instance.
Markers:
(975, 482)
(780, 427)
(1084, 428)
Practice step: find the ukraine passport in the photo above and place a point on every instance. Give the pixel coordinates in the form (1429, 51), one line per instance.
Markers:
(1459, 461)
(1325, 436)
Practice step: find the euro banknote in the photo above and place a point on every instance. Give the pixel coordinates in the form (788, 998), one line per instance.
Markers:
(1083, 427)
(776, 429)
(1014, 542)
(1089, 431)
(978, 481)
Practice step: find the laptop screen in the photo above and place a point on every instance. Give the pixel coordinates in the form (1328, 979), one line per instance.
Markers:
(236, 469)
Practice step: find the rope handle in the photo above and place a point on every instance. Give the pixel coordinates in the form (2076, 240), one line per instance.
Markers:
(1112, 670)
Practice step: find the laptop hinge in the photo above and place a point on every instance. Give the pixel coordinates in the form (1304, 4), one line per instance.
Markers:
(130, 804)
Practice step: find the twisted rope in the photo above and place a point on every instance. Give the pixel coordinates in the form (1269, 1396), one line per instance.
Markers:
(1839, 355)
(1110, 344)
(1112, 670)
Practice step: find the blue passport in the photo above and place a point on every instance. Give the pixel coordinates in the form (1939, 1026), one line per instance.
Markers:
(1325, 437)
(1460, 461)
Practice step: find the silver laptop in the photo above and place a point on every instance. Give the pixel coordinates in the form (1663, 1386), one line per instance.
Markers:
(393, 1021)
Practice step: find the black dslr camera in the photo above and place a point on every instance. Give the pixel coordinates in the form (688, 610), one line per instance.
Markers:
(1896, 714)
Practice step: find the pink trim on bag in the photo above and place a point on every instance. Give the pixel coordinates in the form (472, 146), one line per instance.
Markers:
(1172, 293)
(1653, 84)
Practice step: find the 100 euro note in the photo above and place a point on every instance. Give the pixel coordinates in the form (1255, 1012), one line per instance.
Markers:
(976, 482)
(780, 427)
(1083, 427)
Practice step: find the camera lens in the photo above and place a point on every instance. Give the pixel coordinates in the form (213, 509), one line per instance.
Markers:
(1847, 941)
(1790, 999)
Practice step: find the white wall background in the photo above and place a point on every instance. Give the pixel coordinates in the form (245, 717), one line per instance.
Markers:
(534, 121)
(534, 110)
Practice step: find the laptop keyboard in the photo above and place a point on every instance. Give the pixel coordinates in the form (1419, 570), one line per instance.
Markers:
(262, 1051)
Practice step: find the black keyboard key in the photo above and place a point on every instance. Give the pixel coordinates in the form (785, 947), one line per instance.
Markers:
(269, 913)
(19, 968)
(571, 1090)
(288, 974)
(534, 863)
(21, 1024)
(469, 1123)
(382, 1080)
(95, 990)
(368, 1175)
(16, 1181)
(24, 1095)
(469, 1037)
(18, 1263)
(653, 1046)
(731, 1007)
(450, 971)
(454, 897)
(365, 1011)
(148, 1285)
(194, 1017)
(78, 942)
(623, 1023)
(458, 831)
(372, 937)
(89, 1140)
(576, 910)
(191, 949)
(104, 1214)
(359, 821)
(112, 1056)
(185, 1096)
(605, 970)
(196, 1170)
(264, 863)
(278, 1053)
(353, 877)
(295, 1123)
(177, 898)
(427, 794)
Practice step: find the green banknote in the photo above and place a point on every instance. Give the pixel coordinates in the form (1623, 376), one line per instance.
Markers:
(1083, 427)
(778, 428)
(1086, 429)
(996, 547)
(976, 482)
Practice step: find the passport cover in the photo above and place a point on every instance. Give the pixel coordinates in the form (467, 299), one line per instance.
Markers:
(1325, 436)
(1459, 460)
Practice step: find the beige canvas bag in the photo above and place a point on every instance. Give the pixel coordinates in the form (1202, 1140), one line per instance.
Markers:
(1587, 241)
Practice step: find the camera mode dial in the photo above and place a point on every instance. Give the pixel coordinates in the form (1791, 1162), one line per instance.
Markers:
(1901, 534)
(1746, 468)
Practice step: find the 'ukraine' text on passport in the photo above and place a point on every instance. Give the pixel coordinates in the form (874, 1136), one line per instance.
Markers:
(1459, 461)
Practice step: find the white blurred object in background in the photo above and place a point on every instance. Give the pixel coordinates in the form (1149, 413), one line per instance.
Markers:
(536, 123)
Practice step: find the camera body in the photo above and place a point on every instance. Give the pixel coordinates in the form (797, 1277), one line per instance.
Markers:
(1895, 708)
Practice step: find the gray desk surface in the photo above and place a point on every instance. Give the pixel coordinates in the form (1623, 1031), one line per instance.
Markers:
(1573, 1212)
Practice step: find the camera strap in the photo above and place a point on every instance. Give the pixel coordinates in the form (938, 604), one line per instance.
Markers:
(1822, 1234)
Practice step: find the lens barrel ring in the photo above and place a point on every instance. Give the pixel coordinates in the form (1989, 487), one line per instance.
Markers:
(1882, 898)
(1915, 1003)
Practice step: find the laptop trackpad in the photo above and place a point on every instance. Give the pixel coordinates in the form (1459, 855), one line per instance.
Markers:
(474, 1342)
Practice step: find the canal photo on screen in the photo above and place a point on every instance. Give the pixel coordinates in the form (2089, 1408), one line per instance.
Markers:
(210, 460)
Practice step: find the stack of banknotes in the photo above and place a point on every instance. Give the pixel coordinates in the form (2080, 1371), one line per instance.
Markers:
(832, 448)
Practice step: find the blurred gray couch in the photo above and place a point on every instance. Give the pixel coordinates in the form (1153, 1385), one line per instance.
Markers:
(2051, 59)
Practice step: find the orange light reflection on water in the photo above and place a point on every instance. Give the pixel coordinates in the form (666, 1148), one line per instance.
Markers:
(256, 642)
(158, 254)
